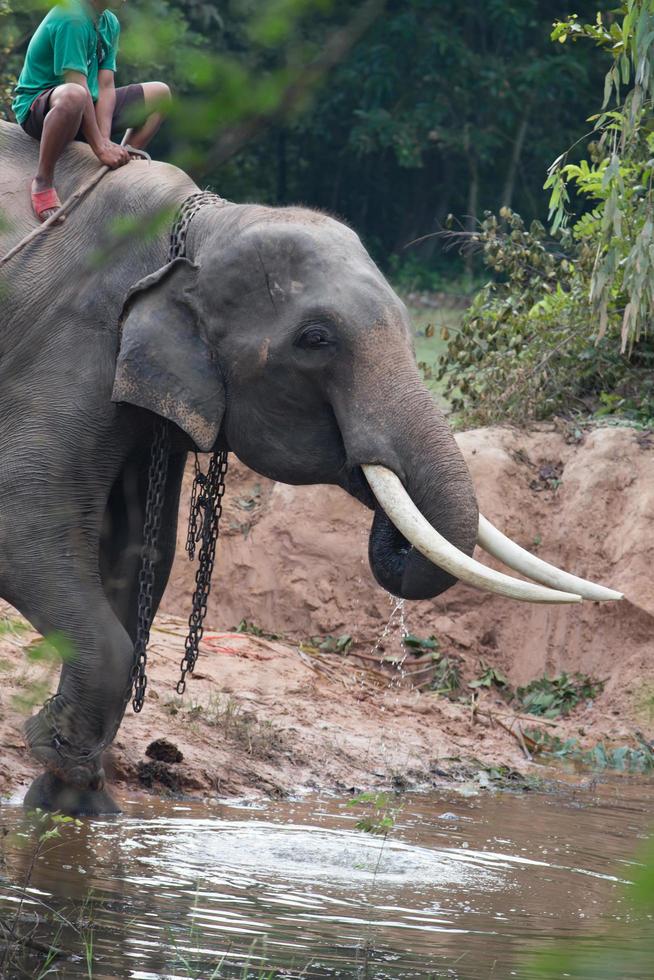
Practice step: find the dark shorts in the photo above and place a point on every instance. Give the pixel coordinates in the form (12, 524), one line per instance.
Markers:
(128, 99)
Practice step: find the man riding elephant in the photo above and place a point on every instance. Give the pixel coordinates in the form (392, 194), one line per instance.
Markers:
(66, 92)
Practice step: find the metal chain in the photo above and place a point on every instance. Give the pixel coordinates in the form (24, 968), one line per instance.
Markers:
(192, 536)
(187, 212)
(63, 744)
(213, 491)
(157, 473)
(204, 526)
(153, 510)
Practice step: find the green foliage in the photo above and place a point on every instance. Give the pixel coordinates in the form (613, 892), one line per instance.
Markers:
(48, 825)
(490, 677)
(188, 956)
(623, 758)
(246, 627)
(417, 644)
(446, 674)
(549, 697)
(15, 942)
(11, 626)
(526, 348)
(53, 649)
(618, 181)
(552, 697)
(381, 812)
(551, 332)
(446, 679)
(17, 20)
(258, 737)
(332, 644)
(445, 273)
(49, 654)
(436, 115)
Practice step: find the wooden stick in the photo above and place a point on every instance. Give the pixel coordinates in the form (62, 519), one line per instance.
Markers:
(65, 209)
(517, 734)
(518, 716)
(523, 744)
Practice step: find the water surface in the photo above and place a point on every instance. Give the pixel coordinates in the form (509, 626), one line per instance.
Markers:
(463, 887)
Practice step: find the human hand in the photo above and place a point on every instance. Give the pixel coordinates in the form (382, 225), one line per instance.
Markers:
(112, 155)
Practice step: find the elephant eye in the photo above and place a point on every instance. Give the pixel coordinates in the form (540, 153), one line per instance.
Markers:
(314, 338)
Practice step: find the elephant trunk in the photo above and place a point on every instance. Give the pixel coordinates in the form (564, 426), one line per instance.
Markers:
(405, 432)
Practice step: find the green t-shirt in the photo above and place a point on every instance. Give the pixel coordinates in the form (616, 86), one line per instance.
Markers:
(70, 38)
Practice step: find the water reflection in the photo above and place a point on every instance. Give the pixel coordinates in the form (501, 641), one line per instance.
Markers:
(461, 887)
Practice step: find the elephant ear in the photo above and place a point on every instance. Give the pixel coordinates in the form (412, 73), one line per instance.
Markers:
(164, 365)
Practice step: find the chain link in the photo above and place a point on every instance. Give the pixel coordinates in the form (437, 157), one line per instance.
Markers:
(192, 537)
(157, 474)
(63, 744)
(187, 212)
(206, 506)
(204, 526)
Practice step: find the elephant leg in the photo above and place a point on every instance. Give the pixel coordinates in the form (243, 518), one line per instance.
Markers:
(70, 732)
(92, 604)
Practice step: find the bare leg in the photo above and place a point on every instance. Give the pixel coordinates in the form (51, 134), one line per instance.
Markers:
(157, 97)
(59, 129)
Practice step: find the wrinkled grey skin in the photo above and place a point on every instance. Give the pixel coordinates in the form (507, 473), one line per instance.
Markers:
(277, 338)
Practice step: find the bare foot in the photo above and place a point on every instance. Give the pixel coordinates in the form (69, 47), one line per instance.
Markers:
(45, 200)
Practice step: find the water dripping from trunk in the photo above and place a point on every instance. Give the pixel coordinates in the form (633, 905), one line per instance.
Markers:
(391, 639)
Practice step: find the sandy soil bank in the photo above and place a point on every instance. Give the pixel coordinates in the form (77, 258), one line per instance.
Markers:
(268, 716)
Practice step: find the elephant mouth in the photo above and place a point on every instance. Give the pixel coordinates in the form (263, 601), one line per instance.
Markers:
(391, 557)
(396, 565)
(411, 560)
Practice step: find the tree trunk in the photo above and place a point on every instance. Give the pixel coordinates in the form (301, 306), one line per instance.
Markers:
(473, 199)
(442, 208)
(518, 143)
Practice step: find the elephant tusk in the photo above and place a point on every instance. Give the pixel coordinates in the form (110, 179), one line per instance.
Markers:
(520, 560)
(400, 509)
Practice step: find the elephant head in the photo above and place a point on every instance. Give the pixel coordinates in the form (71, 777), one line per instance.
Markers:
(280, 337)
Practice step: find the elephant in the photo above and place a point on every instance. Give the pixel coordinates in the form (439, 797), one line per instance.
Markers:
(274, 337)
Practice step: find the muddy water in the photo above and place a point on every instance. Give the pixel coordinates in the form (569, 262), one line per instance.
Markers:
(464, 887)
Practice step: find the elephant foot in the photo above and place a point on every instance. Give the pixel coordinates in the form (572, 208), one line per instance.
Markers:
(74, 782)
(50, 792)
